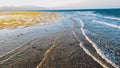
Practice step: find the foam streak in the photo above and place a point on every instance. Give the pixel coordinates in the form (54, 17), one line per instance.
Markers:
(113, 18)
(96, 48)
(111, 25)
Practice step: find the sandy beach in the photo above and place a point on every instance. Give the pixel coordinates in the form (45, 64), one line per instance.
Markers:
(55, 44)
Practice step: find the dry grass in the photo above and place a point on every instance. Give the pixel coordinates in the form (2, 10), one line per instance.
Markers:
(24, 19)
(22, 13)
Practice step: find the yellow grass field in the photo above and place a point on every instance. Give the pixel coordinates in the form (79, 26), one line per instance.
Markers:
(24, 19)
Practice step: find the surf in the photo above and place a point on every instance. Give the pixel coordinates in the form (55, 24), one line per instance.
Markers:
(105, 23)
(81, 44)
(113, 18)
(95, 46)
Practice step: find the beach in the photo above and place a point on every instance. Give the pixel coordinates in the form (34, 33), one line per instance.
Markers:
(56, 47)
(58, 41)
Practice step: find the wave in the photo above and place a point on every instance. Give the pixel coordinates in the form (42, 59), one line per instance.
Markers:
(111, 25)
(113, 18)
(95, 46)
(86, 51)
(84, 48)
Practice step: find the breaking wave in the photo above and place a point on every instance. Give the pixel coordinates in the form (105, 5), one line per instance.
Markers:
(95, 46)
(111, 25)
(113, 18)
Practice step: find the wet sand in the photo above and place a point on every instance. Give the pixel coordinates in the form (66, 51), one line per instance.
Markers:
(17, 28)
(56, 47)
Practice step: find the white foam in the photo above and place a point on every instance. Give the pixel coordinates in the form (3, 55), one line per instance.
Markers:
(113, 18)
(86, 51)
(96, 48)
(111, 25)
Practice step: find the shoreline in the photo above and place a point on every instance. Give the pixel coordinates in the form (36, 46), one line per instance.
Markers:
(12, 38)
(66, 51)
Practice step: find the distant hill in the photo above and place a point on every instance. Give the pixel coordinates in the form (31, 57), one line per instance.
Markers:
(12, 8)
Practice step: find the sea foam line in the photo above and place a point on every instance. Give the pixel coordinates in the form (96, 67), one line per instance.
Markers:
(95, 46)
(111, 25)
(85, 49)
(49, 50)
(113, 18)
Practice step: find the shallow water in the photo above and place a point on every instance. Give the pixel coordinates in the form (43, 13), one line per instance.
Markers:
(103, 31)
